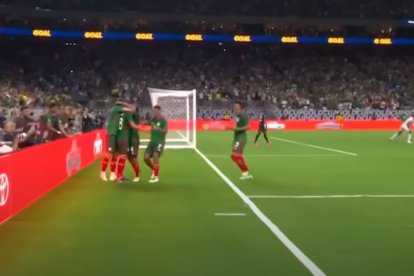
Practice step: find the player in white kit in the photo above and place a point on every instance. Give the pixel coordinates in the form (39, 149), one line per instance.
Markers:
(405, 127)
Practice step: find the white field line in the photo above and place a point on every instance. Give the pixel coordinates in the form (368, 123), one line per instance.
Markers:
(327, 196)
(314, 146)
(308, 263)
(230, 214)
(278, 155)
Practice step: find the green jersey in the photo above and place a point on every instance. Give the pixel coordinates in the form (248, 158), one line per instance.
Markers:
(133, 133)
(44, 121)
(241, 121)
(158, 136)
(124, 129)
(114, 119)
(57, 121)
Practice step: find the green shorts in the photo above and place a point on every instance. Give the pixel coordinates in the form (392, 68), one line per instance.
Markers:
(116, 144)
(238, 146)
(133, 148)
(154, 148)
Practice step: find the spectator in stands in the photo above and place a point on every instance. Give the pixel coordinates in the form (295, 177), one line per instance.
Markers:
(3, 116)
(87, 121)
(25, 124)
(11, 139)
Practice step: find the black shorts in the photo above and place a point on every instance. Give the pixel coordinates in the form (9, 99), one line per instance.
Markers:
(133, 149)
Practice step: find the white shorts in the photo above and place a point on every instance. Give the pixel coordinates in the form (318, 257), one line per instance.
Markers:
(405, 128)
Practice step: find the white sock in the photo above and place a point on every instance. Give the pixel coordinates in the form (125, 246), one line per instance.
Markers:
(409, 137)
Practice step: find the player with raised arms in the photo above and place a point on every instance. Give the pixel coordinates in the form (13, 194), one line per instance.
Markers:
(405, 127)
(157, 142)
(262, 129)
(117, 140)
(240, 139)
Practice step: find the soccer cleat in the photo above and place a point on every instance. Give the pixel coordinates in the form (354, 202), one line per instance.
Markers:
(121, 180)
(269, 144)
(256, 144)
(136, 179)
(409, 142)
(103, 176)
(154, 179)
(246, 176)
(112, 176)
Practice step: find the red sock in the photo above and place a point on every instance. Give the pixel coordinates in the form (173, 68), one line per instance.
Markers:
(121, 165)
(239, 160)
(156, 170)
(135, 166)
(242, 165)
(113, 164)
(104, 163)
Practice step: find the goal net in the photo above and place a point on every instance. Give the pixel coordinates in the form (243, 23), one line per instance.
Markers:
(179, 108)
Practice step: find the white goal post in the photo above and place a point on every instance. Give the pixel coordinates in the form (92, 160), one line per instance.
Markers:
(180, 109)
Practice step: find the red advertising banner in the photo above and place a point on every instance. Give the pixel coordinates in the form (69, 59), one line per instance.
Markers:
(28, 175)
(300, 125)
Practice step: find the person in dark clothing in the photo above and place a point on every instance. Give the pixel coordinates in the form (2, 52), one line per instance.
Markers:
(25, 124)
(87, 121)
(262, 129)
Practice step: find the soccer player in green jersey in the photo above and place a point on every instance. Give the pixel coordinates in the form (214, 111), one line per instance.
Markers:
(240, 140)
(157, 142)
(117, 140)
(134, 146)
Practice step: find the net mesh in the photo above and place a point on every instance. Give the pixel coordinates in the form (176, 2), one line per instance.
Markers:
(179, 108)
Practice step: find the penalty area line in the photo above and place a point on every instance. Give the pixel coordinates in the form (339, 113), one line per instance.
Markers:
(314, 146)
(308, 263)
(230, 214)
(279, 155)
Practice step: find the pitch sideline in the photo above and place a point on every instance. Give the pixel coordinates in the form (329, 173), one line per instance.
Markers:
(308, 263)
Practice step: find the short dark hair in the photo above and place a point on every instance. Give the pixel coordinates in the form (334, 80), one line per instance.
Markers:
(157, 107)
(24, 108)
(242, 105)
(53, 104)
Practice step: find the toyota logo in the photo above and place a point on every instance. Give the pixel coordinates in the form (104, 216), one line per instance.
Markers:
(4, 189)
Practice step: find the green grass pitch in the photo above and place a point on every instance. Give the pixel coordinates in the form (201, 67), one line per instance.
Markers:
(87, 227)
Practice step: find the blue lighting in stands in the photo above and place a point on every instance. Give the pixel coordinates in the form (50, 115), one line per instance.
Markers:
(47, 34)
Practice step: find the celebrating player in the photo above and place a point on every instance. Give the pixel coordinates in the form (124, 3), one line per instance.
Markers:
(240, 140)
(134, 146)
(119, 121)
(157, 142)
(405, 127)
(262, 129)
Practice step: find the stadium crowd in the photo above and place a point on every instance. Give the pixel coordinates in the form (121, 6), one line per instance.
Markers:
(75, 75)
(396, 9)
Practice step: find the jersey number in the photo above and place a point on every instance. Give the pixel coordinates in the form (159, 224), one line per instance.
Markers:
(236, 145)
(121, 123)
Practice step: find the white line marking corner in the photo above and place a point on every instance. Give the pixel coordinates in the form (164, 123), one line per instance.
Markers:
(308, 263)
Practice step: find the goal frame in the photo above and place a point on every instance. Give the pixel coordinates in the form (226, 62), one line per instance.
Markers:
(189, 139)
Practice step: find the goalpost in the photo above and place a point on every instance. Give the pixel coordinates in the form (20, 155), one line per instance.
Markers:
(179, 108)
